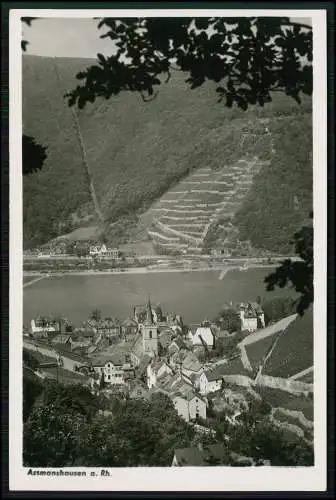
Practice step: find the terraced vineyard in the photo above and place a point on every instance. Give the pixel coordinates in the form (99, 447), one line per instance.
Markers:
(184, 215)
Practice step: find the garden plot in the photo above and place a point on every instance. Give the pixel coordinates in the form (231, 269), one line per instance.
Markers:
(183, 216)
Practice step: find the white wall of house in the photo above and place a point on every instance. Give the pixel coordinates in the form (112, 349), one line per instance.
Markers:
(113, 375)
(205, 333)
(207, 386)
(153, 373)
(40, 329)
(192, 375)
(189, 410)
(182, 407)
(197, 408)
(249, 324)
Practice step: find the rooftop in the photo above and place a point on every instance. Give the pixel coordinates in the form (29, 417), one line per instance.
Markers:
(61, 339)
(101, 360)
(211, 454)
(233, 367)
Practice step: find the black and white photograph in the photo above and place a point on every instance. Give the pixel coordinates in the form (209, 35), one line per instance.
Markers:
(165, 304)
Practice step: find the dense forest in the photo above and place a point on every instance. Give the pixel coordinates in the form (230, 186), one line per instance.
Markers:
(137, 150)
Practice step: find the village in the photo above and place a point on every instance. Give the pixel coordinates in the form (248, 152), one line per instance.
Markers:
(202, 368)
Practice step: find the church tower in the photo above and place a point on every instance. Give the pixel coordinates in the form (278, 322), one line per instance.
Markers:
(150, 333)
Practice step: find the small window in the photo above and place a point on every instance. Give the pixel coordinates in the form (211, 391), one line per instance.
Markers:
(150, 334)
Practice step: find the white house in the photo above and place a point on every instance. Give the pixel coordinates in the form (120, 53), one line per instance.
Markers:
(113, 369)
(42, 327)
(210, 381)
(104, 251)
(190, 406)
(251, 316)
(202, 335)
(155, 370)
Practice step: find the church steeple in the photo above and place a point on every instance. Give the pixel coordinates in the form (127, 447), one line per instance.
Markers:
(150, 332)
(149, 313)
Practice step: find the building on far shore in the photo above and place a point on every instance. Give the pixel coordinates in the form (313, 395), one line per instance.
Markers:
(104, 251)
(42, 327)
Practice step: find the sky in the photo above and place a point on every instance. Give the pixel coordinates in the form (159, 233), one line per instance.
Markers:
(73, 37)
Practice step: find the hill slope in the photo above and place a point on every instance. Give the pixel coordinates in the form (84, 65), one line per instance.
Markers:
(138, 150)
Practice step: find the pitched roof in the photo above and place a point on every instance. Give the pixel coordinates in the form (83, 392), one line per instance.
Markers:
(191, 363)
(83, 332)
(219, 452)
(234, 367)
(101, 360)
(200, 457)
(61, 339)
(144, 362)
(179, 342)
(130, 322)
(165, 338)
(137, 346)
(73, 356)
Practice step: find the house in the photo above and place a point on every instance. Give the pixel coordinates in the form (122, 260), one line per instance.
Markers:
(174, 320)
(155, 370)
(104, 251)
(187, 402)
(96, 250)
(202, 335)
(251, 316)
(113, 368)
(189, 406)
(83, 337)
(232, 371)
(140, 314)
(213, 454)
(211, 380)
(107, 327)
(129, 328)
(42, 327)
(176, 345)
(188, 364)
(165, 339)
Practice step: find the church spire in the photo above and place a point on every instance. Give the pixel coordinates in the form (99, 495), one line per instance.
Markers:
(149, 312)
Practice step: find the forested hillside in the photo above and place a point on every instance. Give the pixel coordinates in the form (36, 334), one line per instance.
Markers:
(282, 193)
(137, 150)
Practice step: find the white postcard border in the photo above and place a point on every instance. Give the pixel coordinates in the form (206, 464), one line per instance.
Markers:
(170, 478)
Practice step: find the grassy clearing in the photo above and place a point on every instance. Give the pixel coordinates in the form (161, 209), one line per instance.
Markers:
(294, 351)
(258, 350)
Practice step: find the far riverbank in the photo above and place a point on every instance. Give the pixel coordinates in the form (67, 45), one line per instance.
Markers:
(144, 270)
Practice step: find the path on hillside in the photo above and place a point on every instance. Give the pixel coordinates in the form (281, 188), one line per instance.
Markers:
(302, 373)
(35, 280)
